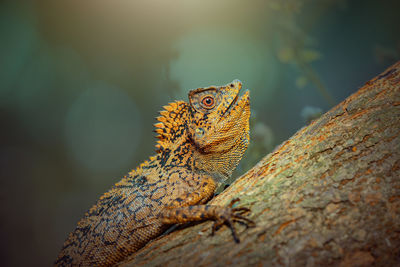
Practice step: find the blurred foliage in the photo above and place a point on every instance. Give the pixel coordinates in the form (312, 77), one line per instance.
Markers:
(81, 83)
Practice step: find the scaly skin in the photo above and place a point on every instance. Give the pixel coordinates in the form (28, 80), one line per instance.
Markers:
(200, 144)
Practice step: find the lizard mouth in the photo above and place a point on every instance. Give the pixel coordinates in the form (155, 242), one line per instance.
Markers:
(233, 103)
(238, 101)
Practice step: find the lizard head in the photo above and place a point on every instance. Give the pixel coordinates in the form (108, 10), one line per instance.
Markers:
(219, 127)
(210, 133)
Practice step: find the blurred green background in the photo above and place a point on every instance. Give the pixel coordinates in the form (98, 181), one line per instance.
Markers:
(82, 81)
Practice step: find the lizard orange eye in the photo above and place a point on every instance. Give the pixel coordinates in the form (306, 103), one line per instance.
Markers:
(208, 102)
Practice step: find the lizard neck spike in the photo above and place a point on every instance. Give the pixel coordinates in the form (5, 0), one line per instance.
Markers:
(167, 128)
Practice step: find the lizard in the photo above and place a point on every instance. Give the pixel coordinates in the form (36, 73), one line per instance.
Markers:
(200, 143)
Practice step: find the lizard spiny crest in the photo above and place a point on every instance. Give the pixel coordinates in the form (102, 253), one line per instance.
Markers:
(171, 124)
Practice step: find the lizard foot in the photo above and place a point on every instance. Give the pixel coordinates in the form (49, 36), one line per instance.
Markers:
(230, 215)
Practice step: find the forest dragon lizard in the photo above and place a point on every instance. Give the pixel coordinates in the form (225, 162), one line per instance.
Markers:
(200, 144)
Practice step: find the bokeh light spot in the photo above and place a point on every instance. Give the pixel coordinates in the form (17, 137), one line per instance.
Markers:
(102, 128)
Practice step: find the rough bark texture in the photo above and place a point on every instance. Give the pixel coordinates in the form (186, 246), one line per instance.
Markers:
(330, 195)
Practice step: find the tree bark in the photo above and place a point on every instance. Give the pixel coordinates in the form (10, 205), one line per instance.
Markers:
(330, 195)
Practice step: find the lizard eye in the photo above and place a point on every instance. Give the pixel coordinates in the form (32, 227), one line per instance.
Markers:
(208, 102)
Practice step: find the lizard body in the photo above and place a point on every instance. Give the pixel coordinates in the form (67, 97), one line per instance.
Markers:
(200, 143)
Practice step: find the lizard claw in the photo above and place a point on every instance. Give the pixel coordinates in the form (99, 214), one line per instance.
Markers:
(233, 201)
(229, 216)
(216, 227)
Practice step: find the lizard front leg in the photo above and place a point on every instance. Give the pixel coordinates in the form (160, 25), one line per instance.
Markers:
(184, 209)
